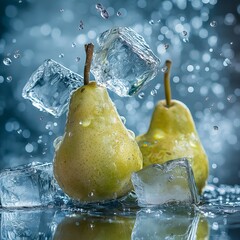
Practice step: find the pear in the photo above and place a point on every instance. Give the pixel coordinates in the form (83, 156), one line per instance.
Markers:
(172, 134)
(97, 154)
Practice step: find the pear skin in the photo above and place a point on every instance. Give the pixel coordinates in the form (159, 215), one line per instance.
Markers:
(97, 155)
(172, 134)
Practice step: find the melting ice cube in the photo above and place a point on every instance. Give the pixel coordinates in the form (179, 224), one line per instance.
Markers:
(170, 223)
(159, 184)
(28, 186)
(124, 62)
(50, 86)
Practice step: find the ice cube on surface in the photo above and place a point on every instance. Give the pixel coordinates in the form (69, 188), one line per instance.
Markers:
(169, 223)
(165, 183)
(28, 186)
(50, 86)
(124, 62)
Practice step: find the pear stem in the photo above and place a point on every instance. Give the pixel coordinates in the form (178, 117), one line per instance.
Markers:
(89, 54)
(167, 86)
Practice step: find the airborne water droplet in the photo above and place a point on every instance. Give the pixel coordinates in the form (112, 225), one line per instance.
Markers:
(154, 92)
(226, 62)
(151, 22)
(16, 54)
(9, 78)
(99, 6)
(213, 24)
(73, 44)
(141, 95)
(164, 69)
(7, 61)
(61, 55)
(104, 14)
(184, 33)
(61, 10)
(81, 25)
(215, 128)
(119, 14)
(166, 46)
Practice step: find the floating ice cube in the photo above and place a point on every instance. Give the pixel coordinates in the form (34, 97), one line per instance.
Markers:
(124, 62)
(50, 86)
(159, 184)
(28, 186)
(170, 223)
(26, 224)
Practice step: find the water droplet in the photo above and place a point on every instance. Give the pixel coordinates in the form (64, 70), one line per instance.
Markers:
(104, 14)
(80, 25)
(91, 194)
(131, 133)
(151, 22)
(61, 10)
(159, 20)
(141, 95)
(158, 85)
(166, 46)
(73, 44)
(14, 40)
(7, 61)
(215, 128)
(123, 120)
(170, 178)
(57, 142)
(184, 33)
(154, 92)
(99, 6)
(226, 62)
(19, 131)
(78, 59)
(164, 69)
(85, 123)
(61, 55)
(210, 50)
(20, 1)
(231, 43)
(17, 54)
(119, 14)
(213, 23)
(185, 40)
(9, 78)
(215, 226)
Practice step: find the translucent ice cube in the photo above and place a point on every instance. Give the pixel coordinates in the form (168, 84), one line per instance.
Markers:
(124, 62)
(28, 186)
(26, 224)
(170, 223)
(159, 184)
(50, 86)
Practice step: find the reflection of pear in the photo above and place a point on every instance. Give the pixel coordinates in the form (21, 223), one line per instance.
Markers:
(171, 223)
(172, 134)
(97, 155)
(95, 228)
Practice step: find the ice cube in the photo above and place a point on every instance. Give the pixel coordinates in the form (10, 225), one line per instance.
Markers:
(124, 62)
(50, 86)
(170, 182)
(169, 223)
(28, 186)
(26, 224)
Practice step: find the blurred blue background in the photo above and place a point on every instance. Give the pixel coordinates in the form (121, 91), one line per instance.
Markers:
(201, 37)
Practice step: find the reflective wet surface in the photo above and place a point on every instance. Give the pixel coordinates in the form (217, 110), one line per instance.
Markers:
(217, 217)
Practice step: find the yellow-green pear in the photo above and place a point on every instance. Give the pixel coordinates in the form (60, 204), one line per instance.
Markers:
(97, 154)
(172, 134)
